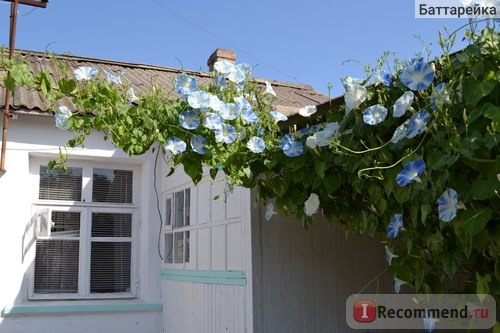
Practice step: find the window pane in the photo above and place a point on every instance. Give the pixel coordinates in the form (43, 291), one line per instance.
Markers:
(168, 248)
(59, 185)
(111, 225)
(168, 215)
(110, 266)
(113, 186)
(65, 224)
(186, 245)
(56, 266)
(178, 247)
(187, 204)
(179, 209)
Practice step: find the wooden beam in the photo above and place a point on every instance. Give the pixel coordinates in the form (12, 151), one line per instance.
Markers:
(35, 3)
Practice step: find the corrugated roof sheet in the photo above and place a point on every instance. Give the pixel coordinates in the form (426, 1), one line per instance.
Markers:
(290, 97)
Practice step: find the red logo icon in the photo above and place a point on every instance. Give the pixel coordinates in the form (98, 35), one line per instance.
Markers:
(365, 311)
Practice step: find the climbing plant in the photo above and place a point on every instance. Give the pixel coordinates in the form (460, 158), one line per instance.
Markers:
(413, 151)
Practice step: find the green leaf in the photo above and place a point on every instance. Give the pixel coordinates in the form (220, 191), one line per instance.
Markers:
(496, 328)
(320, 167)
(425, 209)
(451, 262)
(474, 91)
(472, 221)
(489, 110)
(482, 189)
(67, 86)
(482, 286)
(270, 163)
(193, 169)
(332, 182)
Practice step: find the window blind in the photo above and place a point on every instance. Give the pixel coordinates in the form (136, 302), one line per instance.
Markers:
(59, 185)
(56, 266)
(112, 185)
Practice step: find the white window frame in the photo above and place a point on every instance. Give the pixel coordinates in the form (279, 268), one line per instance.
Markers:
(86, 207)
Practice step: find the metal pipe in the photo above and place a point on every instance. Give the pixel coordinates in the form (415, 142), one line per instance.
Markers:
(6, 115)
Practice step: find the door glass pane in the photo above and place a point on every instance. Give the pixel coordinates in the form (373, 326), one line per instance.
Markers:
(179, 209)
(169, 245)
(178, 247)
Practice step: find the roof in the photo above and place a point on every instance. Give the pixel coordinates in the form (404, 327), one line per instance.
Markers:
(290, 97)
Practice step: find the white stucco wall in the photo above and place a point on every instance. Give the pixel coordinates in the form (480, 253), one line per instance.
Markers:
(31, 136)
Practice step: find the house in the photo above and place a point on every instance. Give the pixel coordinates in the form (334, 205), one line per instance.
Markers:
(115, 246)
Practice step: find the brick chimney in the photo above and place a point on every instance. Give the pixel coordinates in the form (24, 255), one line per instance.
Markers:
(218, 55)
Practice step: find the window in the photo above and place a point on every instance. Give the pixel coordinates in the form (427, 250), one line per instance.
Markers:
(177, 223)
(84, 220)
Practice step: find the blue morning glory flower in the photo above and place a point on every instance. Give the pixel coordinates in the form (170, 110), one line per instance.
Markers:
(198, 99)
(417, 123)
(400, 132)
(389, 255)
(403, 104)
(439, 96)
(114, 78)
(85, 73)
(184, 84)
(175, 145)
(212, 121)
(395, 225)
(224, 67)
(290, 147)
(308, 110)
(225, 133)
(198, 144)
(448, 205)
(385, 78)
(397, 284)
(429, 322)
(189, 119)
(411, 172)
(249, 116)
(230, 112)
(256, 144)
(287, 138)
(243, 103)
(374, 114)
(62, 115)
(220, 81)
(278, 116)
(215, 103)
(307, 130)
(269, 89)
(237, 75)
(418, 75)
(131, 97)
(269, 212)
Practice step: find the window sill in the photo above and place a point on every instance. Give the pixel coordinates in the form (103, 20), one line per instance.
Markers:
(72, 307)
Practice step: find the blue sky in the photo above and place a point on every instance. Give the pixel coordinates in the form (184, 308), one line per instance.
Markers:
(296, 41)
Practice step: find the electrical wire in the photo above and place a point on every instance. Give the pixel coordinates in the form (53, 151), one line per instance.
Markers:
(158, 203)
(234, 46)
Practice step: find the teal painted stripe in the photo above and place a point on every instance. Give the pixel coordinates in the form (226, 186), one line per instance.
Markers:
(12, 310)
(234, 278)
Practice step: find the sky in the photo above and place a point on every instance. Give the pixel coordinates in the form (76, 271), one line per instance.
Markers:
(314, 42)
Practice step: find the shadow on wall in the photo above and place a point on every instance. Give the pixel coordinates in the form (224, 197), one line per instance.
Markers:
(307, 276)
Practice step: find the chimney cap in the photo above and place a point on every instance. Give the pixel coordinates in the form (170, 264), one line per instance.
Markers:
(220, 54)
